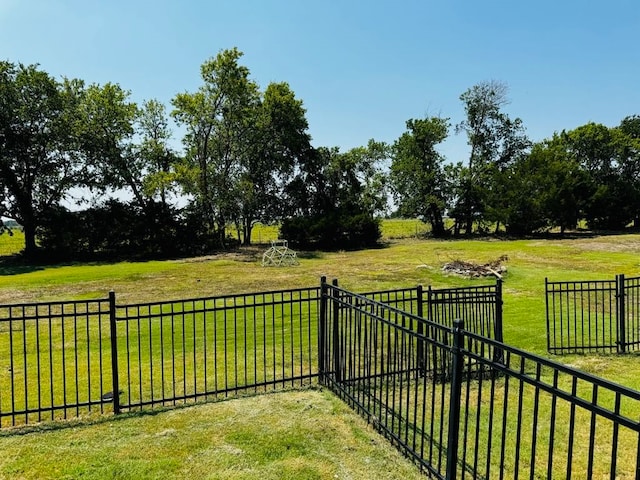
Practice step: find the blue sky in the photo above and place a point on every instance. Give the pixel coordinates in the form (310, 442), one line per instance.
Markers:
(362, 68)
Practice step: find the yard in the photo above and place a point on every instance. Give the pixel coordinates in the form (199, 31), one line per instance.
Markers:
(401, 263)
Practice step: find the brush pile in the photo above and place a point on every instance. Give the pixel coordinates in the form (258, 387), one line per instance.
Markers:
(474, 270)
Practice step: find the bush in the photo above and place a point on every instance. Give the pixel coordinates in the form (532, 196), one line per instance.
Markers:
(336, 231)
(115, 230)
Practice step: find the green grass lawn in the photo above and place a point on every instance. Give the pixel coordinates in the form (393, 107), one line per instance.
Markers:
(307, 434)
(401, 263)
(11, 244)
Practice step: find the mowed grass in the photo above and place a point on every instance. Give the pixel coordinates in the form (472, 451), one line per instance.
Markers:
(399, 264)
(11, 243)
(307, 434)
(402, 263)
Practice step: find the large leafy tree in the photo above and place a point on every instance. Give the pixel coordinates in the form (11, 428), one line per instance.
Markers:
(496, 142)
(334, 197)
(417, 176)
(39, 163)
(105, 124)
(278, 140)
(242, 146)
(155, 151)
(610, 157)
(219, 119)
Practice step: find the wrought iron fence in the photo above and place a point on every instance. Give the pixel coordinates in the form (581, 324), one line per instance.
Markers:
(593, 316)
(479, 417)
(480, 306)
(459, 403)
(208, 348)
(55, 360)
(62, 359)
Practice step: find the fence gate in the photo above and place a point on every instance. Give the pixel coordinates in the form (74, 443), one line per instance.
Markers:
(593, 315)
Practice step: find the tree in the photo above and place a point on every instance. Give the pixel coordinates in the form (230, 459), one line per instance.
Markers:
(631, 126)
(334, 197)
(155, 151)
(279, 140)
(417, 175)
(496, 142)
(39, 163)
(105, 124)
(218, 119)
(610, 159)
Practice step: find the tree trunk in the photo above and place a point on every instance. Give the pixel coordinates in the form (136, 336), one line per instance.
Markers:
(437, 223)
(248, 228)
(30, 247)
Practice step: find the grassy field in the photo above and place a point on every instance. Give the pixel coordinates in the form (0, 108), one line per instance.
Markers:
(11, 243)
(400, 263)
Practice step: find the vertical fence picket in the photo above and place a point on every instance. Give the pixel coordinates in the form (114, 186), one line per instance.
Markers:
(114, 353)
(457, 364)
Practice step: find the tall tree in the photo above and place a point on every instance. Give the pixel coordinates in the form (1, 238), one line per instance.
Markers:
(159, 158)
(631, 126)
(334, 196)
(278, 141)
(610, 158)
(219, 128)
(38, 161)
(417, 175)
(105, 124)
(496, 141)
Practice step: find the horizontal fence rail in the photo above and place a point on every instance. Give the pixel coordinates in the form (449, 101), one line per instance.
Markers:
(593, 316)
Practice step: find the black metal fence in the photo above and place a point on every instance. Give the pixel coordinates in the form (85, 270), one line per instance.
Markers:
(209, 348)
(443, 399)
(460, 403)
(593, 316)
(480, 306)
(55, 360)
(66, 359)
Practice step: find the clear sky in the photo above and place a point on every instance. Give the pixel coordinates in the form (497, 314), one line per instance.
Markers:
(362, 68)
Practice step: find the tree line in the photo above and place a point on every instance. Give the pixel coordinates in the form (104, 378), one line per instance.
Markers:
(247, 156)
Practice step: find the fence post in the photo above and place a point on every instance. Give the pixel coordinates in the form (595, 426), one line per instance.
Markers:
(546, 304)
(621, 313)
(322, 330)
(455, 398)
(498, 334)
(420, 312)
(336, 333)
(114, 352)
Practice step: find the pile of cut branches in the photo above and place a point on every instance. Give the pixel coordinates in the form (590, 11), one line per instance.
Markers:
(474, 270)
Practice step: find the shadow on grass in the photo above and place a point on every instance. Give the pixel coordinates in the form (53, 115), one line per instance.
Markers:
(108, 417)
(16, 265)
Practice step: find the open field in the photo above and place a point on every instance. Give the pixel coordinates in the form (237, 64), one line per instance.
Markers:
(11, 243)
(399, 264)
